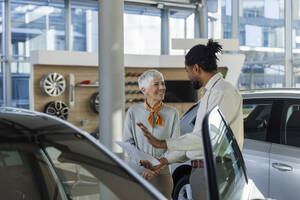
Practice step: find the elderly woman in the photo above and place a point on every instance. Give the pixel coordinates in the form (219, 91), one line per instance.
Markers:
(161, 121)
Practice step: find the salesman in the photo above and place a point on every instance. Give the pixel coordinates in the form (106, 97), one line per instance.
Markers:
(201, 68)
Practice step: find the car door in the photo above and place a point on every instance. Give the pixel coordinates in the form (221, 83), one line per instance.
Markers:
(225, 168)
(285, 157)
(256, 148)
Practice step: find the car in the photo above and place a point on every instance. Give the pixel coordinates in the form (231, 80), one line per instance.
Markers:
(44, 157)
(271, 147)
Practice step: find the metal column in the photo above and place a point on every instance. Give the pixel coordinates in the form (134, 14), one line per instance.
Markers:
(111, 72)
(203, 19)
(165, 29)
(7, 80)
(235, 26)
(197, 24)
(68, 25)
(288, 43)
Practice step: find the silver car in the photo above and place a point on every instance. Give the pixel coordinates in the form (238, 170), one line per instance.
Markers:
(271, 146)
(45, 158)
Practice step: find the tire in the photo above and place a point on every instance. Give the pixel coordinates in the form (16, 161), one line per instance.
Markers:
(58, 109)
(94, 102)
(182, 189)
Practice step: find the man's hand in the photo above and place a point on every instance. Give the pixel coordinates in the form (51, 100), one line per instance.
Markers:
(147, 164)
(160, 144)
(149, 174)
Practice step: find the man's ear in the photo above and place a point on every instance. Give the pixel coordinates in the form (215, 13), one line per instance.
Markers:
(196, 68)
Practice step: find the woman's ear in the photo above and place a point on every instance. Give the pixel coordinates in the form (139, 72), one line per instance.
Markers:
(143, 90)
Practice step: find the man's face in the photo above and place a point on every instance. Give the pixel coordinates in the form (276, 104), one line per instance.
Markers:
(192, 75)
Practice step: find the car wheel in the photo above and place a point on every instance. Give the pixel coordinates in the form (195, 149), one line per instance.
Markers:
(53, 84)
(182, 189)
(58, 109)
(94, 102)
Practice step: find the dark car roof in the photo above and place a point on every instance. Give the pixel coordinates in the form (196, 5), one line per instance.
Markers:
(30, 123)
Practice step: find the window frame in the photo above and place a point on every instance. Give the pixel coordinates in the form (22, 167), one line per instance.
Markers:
(283, 135)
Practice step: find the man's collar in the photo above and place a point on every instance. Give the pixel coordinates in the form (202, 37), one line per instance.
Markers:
(213, 80)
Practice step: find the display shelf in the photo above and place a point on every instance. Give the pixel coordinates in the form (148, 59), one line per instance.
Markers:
(87, 85)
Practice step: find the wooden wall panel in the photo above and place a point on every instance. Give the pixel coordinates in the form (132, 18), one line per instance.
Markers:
(82, 110)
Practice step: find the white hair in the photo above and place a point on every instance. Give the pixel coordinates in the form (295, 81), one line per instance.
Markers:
(145, 79)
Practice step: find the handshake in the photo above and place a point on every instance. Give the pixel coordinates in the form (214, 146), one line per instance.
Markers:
(152, 171)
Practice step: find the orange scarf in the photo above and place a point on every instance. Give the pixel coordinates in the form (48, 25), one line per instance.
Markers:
(158, 119)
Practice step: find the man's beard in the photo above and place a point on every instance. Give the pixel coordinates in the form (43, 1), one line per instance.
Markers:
(197, 84)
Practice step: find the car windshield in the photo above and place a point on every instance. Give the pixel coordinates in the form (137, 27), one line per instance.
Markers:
(25, 173)
(54, 161)
(228, 162)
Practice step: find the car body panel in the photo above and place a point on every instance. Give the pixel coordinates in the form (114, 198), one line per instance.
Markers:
(284, 172)
(257, 153)
(187, 121)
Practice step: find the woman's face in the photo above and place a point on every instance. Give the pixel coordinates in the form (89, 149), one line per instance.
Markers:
(156, 90)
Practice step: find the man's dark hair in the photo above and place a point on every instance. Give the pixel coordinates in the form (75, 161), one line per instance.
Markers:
(204, 55)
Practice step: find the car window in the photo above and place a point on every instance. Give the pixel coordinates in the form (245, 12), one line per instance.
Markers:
(25, 174)
(78, 182)
(86, 170)
(291, 125)
(227, 158)
(256, 119)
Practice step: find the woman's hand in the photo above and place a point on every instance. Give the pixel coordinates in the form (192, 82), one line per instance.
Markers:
(160, 144)
(149, 174)
(147, 164)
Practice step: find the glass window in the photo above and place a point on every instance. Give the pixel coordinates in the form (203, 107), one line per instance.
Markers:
(142, 30)
(296, 42)
(296, 71)
(230, 169)
(181, 24)
(25, 174)
(85, 27)
(1, 85)
(259, 75)
(262, 41)
(1, 27)
(291, 125)
(226, 18)
(78, 182)
(36, 26)
(84, 168)
(256, 118)
(20, 73)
